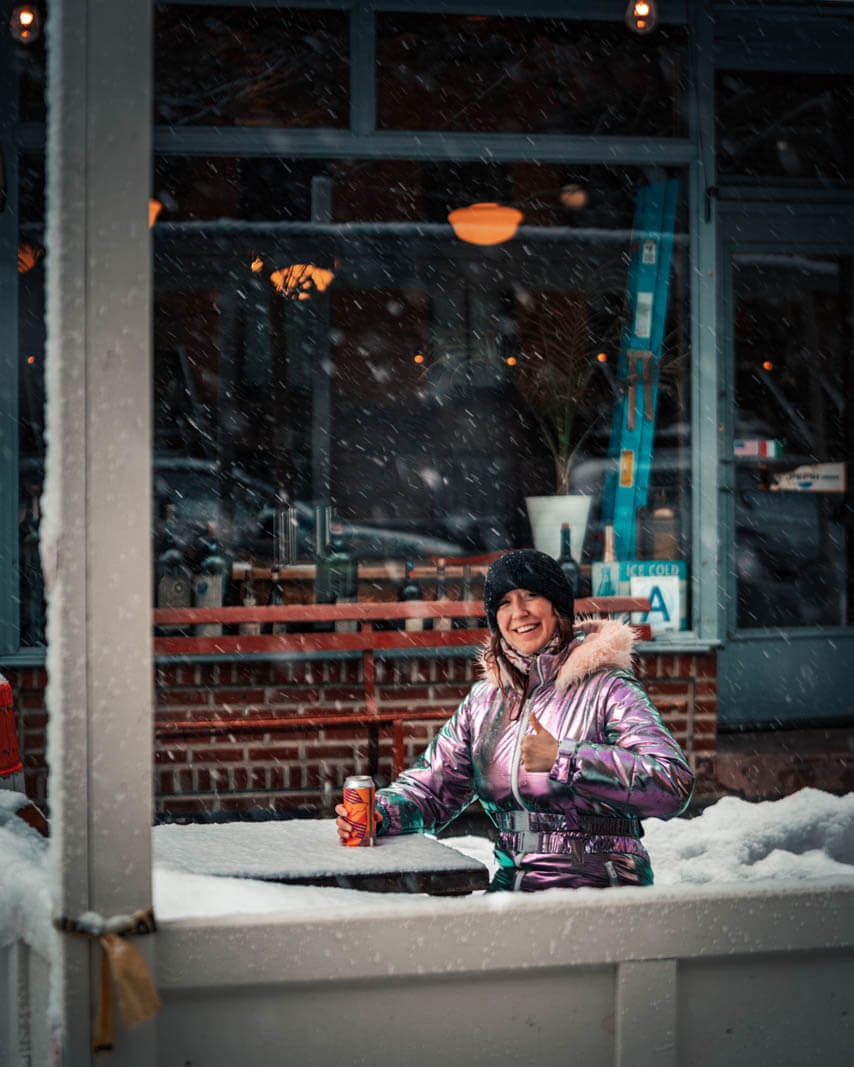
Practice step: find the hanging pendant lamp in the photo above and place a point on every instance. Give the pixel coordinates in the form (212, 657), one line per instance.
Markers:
(485, 224)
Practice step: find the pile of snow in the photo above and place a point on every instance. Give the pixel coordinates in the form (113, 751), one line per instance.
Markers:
(804, 837)
(24, 897)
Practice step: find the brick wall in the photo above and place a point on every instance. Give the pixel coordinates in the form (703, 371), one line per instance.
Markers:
(231, 769)
(684, 688)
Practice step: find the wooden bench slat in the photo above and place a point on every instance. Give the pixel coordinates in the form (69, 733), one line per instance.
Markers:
(409, 609)
(366, 640)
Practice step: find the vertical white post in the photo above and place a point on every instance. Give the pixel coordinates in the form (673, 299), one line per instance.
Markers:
(97, 506)
(646, 1014)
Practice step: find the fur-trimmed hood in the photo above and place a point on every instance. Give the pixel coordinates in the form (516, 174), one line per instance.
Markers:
(601, 644)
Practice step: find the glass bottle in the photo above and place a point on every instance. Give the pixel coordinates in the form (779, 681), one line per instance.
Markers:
(605, 586)
(410, 590)
(174, 587)
(609, 555)
(336, 577)
(249, 600)
(567, 562)
(277, 597)
(209, 583)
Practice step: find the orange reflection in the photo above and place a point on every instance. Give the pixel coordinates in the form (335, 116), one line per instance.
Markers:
(25, 24)
(485, 224)
(28, 256)
(300, 280)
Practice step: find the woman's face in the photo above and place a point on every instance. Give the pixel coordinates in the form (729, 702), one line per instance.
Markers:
(526, 620)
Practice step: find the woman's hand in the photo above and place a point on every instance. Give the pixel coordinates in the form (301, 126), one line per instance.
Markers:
(539, 749)
(344, 827)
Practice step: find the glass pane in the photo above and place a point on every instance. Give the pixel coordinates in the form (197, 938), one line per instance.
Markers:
(793, 126)
(251, 66)
(31, 349)
(493, 74)
(793, 437)
(378, 363)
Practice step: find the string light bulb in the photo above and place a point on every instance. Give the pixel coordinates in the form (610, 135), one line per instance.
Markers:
(641, 16)
(25, 23)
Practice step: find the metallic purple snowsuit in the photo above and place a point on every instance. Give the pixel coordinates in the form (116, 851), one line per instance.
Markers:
(578, 824)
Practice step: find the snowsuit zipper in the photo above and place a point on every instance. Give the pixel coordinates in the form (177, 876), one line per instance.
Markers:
(524, 722)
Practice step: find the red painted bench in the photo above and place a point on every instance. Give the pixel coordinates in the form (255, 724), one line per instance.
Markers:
(365, 640)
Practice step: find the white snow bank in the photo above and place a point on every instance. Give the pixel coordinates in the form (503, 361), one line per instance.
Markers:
(808, 836)
(24, 897)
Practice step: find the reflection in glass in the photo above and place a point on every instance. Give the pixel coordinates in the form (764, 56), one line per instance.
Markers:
(409, 392)
(31, 395)
(792, 439)
(788, 125)
(493, 74)
(251, 66)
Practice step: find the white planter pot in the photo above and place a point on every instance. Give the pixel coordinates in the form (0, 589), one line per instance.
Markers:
(546, 515)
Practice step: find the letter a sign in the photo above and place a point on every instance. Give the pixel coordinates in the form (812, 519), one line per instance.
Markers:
(663, 593)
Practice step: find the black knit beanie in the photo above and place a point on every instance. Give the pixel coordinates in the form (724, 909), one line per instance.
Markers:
(526, 569)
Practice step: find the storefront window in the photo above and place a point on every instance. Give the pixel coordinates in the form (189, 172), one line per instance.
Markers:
(31, 377)
(793, 431)
(352, 350)
(250, 66)
(484, 74)
(787, 125)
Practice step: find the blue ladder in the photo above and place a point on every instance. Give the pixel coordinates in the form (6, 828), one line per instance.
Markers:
(633, 420)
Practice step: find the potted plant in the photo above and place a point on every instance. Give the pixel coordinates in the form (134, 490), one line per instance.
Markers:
(568, 344)
(562, 349)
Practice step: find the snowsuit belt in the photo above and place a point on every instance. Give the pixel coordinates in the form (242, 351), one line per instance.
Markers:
(546, 822)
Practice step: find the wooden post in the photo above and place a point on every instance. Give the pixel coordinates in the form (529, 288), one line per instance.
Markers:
(97, 522)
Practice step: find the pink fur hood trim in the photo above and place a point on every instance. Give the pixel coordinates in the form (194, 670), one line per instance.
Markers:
(606, 643)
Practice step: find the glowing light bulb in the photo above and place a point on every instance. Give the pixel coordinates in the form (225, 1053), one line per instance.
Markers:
(418, 358)
(767, 365)
(602, 357)
(511, 361)
(641, 16)
(25, 23)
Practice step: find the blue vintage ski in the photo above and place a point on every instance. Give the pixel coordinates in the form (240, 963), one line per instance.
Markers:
(633, 421)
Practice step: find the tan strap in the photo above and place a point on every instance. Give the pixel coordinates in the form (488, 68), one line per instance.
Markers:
(121, 962)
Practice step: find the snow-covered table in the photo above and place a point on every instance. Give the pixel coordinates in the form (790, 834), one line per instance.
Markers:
(307, 852)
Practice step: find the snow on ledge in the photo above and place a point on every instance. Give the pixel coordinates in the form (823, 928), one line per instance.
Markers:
(801, 844)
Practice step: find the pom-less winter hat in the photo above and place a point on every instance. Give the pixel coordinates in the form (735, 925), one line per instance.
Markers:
(526, 569)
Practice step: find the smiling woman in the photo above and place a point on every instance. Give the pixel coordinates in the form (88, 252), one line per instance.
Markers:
(526, 620)
(559, 743)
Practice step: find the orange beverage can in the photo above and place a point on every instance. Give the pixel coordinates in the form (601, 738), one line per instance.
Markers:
(359, 792)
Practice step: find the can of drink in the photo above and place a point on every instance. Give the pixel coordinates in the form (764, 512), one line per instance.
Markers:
(359, 791)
